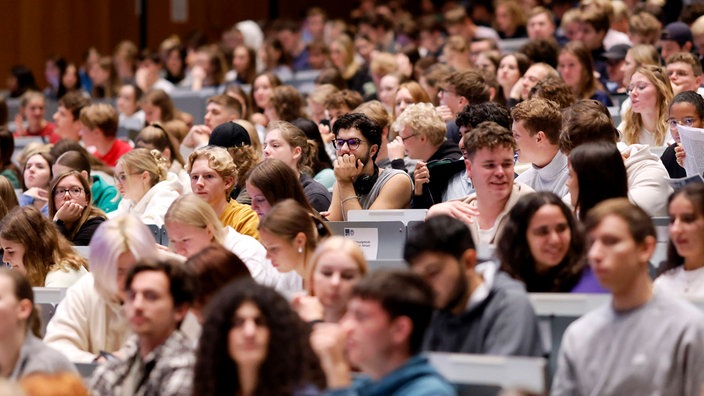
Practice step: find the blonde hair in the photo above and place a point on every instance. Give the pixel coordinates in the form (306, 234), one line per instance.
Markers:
(219, 160)
(143, 160)
(102, 116)
(321, 92)
(424, 120)
(295, 137)
(338, 245)
(192, 211)
(383, 63)
(645, 54)
(633, 122)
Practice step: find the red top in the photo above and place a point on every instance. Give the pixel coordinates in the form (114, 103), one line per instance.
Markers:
(47, 131)
(118, 148)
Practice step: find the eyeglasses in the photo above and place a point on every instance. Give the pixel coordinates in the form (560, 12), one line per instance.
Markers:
(122, 177)
(640, 87)
(408, 137)
(72, 191)
(352, 143)
(687, 121)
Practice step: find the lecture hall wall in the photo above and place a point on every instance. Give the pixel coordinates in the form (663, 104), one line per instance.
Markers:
(33, 30)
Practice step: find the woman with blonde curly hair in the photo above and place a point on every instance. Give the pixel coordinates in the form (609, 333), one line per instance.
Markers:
(146, 187)
(34, 247)
(646, 120)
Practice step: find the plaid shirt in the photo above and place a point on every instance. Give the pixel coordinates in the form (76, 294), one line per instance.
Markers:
(166, 371)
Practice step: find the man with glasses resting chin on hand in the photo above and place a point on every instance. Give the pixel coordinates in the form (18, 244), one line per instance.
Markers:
(359, 183)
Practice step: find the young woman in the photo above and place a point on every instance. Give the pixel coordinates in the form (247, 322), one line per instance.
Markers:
(275, 59)
(576, 67)
(388, 85)
(104, 195)
(342, 56)
(7, 167)
(192, 225)
(33, 110)
(645, 121)
(682, 273)
(104, 77)
(289, 144)
(253, 343)
(687, 108)
(290, 234)
(145, 185)
(271, 182)
(90, 318)
(69, 81)
(511, 69)
(409, 93)
(597, 173)
(335, 268)
(22, 352)
(263, 84)
(72, 210)
(34, 247)
(7, 196)
(510, 19)
(543, 246)
(244, 65)
(158, 107)
(37, 175)
(156, 137)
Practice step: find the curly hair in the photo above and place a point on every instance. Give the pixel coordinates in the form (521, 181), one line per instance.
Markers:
(474, 114)
(287, 102)
(144, 160)
(219, 159)
(290, 362)
(422, 119)
(487, 135)
(515, 255)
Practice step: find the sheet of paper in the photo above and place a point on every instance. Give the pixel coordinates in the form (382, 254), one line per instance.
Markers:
(692, 140)
(366, 238)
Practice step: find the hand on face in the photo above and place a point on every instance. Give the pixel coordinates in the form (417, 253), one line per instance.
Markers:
(396, 148)
(69, 212)
(347, 168)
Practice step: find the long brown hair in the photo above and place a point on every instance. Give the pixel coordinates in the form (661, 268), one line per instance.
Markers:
(89, 211)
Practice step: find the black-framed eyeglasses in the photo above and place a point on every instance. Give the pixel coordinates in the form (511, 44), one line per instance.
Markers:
(72, 191)
(352, 143)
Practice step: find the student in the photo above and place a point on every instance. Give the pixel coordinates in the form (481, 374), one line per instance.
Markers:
(622, 240)
(381, 334)
(536, 128)
(130, 116)
(681, 273)
(459, 90)
(271, 182)
(33, 108)
(675, 37)
(37, 175)
(687, 108)
(67, 116)
(479, 309)
(22, 353)
(360, 183)
(98, 133)
(158, 358)
(219, 109)
(71, 208)
(685, 73)
(576, 68)
(236, 140)
(104, 195)
(156, 137)
(7, 167)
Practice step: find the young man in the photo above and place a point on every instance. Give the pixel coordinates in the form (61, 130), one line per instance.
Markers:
(459, 90)
(131, 117)
(158, 358)
(685, 72)
(218, 110)
(421, 132)
(593, 27)
(479, 309)
(642, 342)
(98, 131)
(489, 164)
(676, 37)
(541, 24)
(382, 334)
(67, 116)
(359, 183)
(536, 128)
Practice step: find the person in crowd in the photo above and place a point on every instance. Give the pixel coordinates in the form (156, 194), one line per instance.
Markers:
(621, 241)
(510, 20)
(596, 173)
(645, 121)
(33, 246)
(70, 81)
(68, 114)
(213, 176)
(37, 175)
(542, 245)
(388, 85)
(337, 265)
(285, 104)
(356, 76)
(321, 165)
(681, 273)
(90, 318)
(156, 137)
(686, 108)
(288, 143)
(382, 335)
(637, 56)
(147, 190)
(391, 154)
(130, 116)
(148, 75)
(535, 73)
(174, 55)
(408, 93)
(99, 133)
(158, 358)
(192, 225)
(458, 22)
(615, 59)
(511, 68)
(479, 308)
(290, 234)
(555, 89)
(8, 169)
(104, 195)
(540, 24)
(421, 132)
(219, 109)
(594, 24)
(536, 128)
(209, 68)
(489, 164)
(104, 79)
(158, 107)
(360, 183)
(253, 343)
(675, 37)
(7, 196)
(71, 208)
(685, 73)
(33, 109)
(590, 121)
(459, 90)
(644, 28)
(213, 267)
(23, 353)
(576, 67)
(271, 182)
(20, 80)
(263, 84)
(275, 60)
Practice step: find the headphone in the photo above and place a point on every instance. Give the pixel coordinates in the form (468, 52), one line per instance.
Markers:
(363, 185)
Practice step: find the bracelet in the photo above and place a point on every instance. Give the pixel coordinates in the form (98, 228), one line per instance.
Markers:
(351, 197)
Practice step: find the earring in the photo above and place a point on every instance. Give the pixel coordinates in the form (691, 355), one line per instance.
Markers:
(300, 249)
